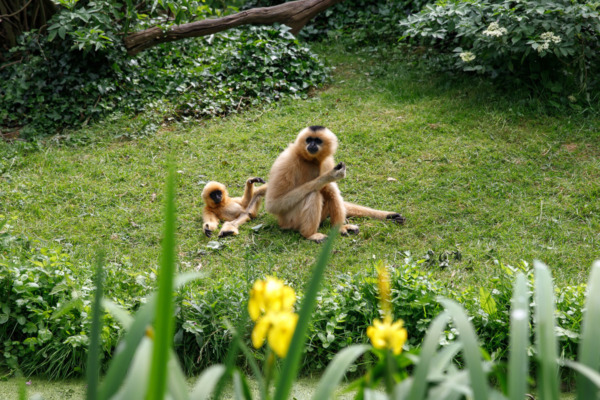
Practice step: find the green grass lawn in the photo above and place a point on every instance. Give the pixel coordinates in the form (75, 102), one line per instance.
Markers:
(474, 169)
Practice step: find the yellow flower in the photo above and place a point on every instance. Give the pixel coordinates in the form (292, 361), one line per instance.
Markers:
(278, 328)
(271, 306)
(270, 295)
(387, 335)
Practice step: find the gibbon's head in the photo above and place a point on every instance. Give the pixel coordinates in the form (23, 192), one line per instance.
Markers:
(214, 193)
(315, 143)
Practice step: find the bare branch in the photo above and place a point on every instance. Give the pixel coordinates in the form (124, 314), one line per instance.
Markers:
(294, 14)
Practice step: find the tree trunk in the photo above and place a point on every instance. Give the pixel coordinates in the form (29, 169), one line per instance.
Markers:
(20, 16)
(294, 14)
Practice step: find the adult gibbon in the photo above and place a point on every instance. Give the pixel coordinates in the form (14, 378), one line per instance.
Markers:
(302, 189)
(234, 210)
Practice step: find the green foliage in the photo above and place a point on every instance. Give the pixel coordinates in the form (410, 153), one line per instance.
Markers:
(45, 302)
(79, 72)
(548, 44)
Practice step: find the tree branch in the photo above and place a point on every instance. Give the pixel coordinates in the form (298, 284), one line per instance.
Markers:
(294, 14)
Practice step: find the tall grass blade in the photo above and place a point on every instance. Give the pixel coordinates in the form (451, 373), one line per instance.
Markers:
(164, 323)
(119, 365)
(337, 369)
(546, 345)
(518, 362)
(135, 382)
(177, 387)
(430, 345)
(292, 360)
(206, 382)
(591, 375)
(471, 350)
(93, 361)
(121, 315)
(589, 347)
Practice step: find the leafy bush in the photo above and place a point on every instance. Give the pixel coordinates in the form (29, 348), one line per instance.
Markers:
(548, 44)
(57, 86)
(44, 306)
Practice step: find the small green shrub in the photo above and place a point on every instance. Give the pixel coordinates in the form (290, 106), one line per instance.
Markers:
(550, 45)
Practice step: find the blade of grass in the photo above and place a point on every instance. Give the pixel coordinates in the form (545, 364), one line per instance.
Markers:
(546, 344)
(589, 350)
(135, 381)
(119, 365)
(206, 382)
(591, 374)
(430, 345)
(518, 362)
(292, 360)
(177, 385)
(22, 387)
(93, 361)
(336, 369)
(470, 348)
(164, 323)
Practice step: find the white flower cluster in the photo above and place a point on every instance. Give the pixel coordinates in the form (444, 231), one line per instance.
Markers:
(547, 38)
(495, 30)
(467, 56)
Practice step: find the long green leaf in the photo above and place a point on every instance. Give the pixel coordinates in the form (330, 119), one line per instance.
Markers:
(121, 315)
(430, 345)
(93, 361)
(546, 344)
(119, 365)
(206, 382)
(471, 350)
(591, 375)
(518, 363)
(177, 387)
(336, 369)
(292, 360)
(164, 323)
(135, 382)
(589, 349)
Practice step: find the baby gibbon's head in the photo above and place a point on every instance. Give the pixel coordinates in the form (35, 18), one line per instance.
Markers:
(315, 143)
(214, 193)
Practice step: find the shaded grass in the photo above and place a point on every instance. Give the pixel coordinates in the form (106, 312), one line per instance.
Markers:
(476, 170)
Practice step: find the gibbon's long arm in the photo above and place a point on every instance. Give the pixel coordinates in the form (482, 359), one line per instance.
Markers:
(249, 191)
(290, 200)
(210, 221)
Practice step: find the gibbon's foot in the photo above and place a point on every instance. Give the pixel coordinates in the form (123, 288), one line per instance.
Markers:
(317, 237)
(208, 232)
(338, 172)
(228, 230)
(256, 180)
(396, 218)
(340, 166)
(349, 230)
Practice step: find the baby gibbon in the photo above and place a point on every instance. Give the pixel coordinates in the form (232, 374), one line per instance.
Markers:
(302, 189)
(234, 210)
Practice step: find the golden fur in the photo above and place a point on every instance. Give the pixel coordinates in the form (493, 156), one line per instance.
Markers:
(302, 189)
(234, 210)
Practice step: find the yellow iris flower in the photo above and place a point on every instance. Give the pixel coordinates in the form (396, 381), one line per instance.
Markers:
(271, 307)
(387, 335)
(270, 295)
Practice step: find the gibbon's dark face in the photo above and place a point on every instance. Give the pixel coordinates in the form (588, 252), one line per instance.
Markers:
(216, 196)
(313, 144)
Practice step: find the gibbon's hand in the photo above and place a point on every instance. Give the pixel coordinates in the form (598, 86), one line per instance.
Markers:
(256, 180)
(338, 172)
